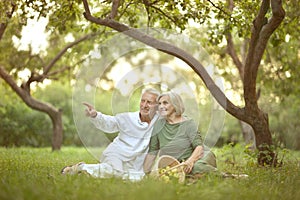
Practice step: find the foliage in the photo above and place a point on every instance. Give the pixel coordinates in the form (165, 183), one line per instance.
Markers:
(60, 96)
(21, 126)
(284, 122)
(277, 78)
(34, 173)
(56, 61)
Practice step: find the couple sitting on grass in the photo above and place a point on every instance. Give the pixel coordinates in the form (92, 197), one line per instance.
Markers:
(145, 134)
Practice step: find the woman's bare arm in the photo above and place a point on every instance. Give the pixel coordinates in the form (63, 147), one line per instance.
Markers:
(196, 155)
(148, 162)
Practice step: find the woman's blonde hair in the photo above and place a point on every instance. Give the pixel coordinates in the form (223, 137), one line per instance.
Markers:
(175, 100)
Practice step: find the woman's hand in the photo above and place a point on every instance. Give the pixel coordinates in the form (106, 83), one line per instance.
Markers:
(196, 155)
(188, 166)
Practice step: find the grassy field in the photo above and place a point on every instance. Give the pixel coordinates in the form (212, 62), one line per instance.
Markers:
(34, 173)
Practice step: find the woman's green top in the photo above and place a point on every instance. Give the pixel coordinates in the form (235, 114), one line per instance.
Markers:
(178, 140)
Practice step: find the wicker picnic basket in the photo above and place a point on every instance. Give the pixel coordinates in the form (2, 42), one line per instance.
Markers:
(173, 163)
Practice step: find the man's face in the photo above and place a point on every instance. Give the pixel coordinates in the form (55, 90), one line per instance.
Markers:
(148, 105)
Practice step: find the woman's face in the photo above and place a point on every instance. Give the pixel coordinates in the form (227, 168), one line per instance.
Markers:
(165, 108)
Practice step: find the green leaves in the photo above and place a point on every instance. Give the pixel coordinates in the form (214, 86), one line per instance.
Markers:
(66, 17)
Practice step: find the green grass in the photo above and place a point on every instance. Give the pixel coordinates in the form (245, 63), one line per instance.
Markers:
(34, 173)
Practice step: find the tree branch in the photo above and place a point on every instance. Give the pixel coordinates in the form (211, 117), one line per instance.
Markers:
(232, 53)
(217, 7)
(268, 29)
(58, 71)
(231, 50)
(114, 8)
(124, 10)
(53, 73)
(64, 50)
(47, 68)
(261, 32)
(8, 15)
(24, 95)
(171, 50)
(9, 80)
(164, 14)
(258, 23)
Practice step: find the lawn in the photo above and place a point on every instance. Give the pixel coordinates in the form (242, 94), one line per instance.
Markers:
(34, 173)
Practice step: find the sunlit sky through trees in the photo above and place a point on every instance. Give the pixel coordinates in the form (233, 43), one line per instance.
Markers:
(34, 37)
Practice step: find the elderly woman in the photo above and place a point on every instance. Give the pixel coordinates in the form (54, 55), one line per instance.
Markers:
(176, 135)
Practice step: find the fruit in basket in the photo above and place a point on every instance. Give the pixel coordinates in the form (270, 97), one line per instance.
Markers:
(167, 174)
(168, 168)
(165, 178)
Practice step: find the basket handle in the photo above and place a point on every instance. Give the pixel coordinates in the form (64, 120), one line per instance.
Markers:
(176, 166)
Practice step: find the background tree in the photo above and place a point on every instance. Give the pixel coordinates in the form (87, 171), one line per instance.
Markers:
(269, 16)
(218, 26)
(278, 68)
(49, 65)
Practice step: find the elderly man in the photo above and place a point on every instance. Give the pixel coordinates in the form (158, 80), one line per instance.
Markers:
(123, 157)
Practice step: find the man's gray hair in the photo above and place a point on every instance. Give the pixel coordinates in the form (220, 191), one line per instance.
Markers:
(151, 91)
(175, 100)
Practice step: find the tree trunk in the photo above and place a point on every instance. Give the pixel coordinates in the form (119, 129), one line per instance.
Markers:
(248, 135)
(55, 114)
(57, 136)
(261, 31)
(263, 137)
